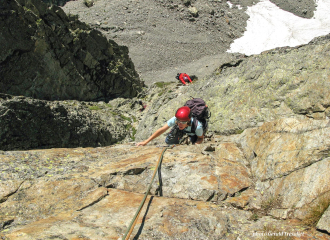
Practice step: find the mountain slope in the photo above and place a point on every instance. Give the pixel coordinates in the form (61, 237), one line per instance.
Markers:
(166, 37)
(48, 55)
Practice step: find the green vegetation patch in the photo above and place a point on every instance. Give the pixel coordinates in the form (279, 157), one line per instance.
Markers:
(125, 118)
(162, 84)
(94, 108)
(114, 113)
(239, 131)
(133, 133)
(109, 105)
(134, 119)
(39, 21)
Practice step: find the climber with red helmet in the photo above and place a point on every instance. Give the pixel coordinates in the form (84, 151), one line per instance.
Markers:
(181, 124)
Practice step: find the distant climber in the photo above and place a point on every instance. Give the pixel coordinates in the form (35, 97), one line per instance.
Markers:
(184, 78)
(190, 119)
(143, 106)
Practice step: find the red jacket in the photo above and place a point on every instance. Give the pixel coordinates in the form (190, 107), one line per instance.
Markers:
(183, 77)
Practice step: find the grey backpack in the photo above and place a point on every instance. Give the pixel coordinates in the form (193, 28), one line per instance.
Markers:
(200, 112)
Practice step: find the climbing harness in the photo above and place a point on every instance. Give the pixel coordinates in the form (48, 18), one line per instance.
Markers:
(136, 216)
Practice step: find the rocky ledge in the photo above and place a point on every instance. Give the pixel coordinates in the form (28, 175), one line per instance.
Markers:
(28, 123)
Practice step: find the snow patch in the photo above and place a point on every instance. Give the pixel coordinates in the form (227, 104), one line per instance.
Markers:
(271, 27)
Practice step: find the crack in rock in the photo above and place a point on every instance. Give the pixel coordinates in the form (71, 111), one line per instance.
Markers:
(94, 202)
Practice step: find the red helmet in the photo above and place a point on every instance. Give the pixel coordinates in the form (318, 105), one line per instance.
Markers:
(183, 114)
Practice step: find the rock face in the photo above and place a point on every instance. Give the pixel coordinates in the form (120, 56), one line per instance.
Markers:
(290, 159)
(222, 189)
(285, 82)
(48, 55)
(30, 123)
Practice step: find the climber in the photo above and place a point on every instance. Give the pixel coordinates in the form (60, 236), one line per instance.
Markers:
(183, 77)
(182, 123)
(143, 106)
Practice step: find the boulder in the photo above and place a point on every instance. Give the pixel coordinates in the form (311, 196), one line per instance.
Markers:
(193, 11)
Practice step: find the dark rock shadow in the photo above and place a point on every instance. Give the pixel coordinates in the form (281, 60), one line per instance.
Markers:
(160, 188)
(55, 2)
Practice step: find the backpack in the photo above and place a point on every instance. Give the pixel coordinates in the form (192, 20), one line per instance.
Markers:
(178, 76)
(184, 78)
(200, 112)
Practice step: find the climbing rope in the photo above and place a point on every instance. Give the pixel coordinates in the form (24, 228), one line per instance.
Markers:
(134, 220)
